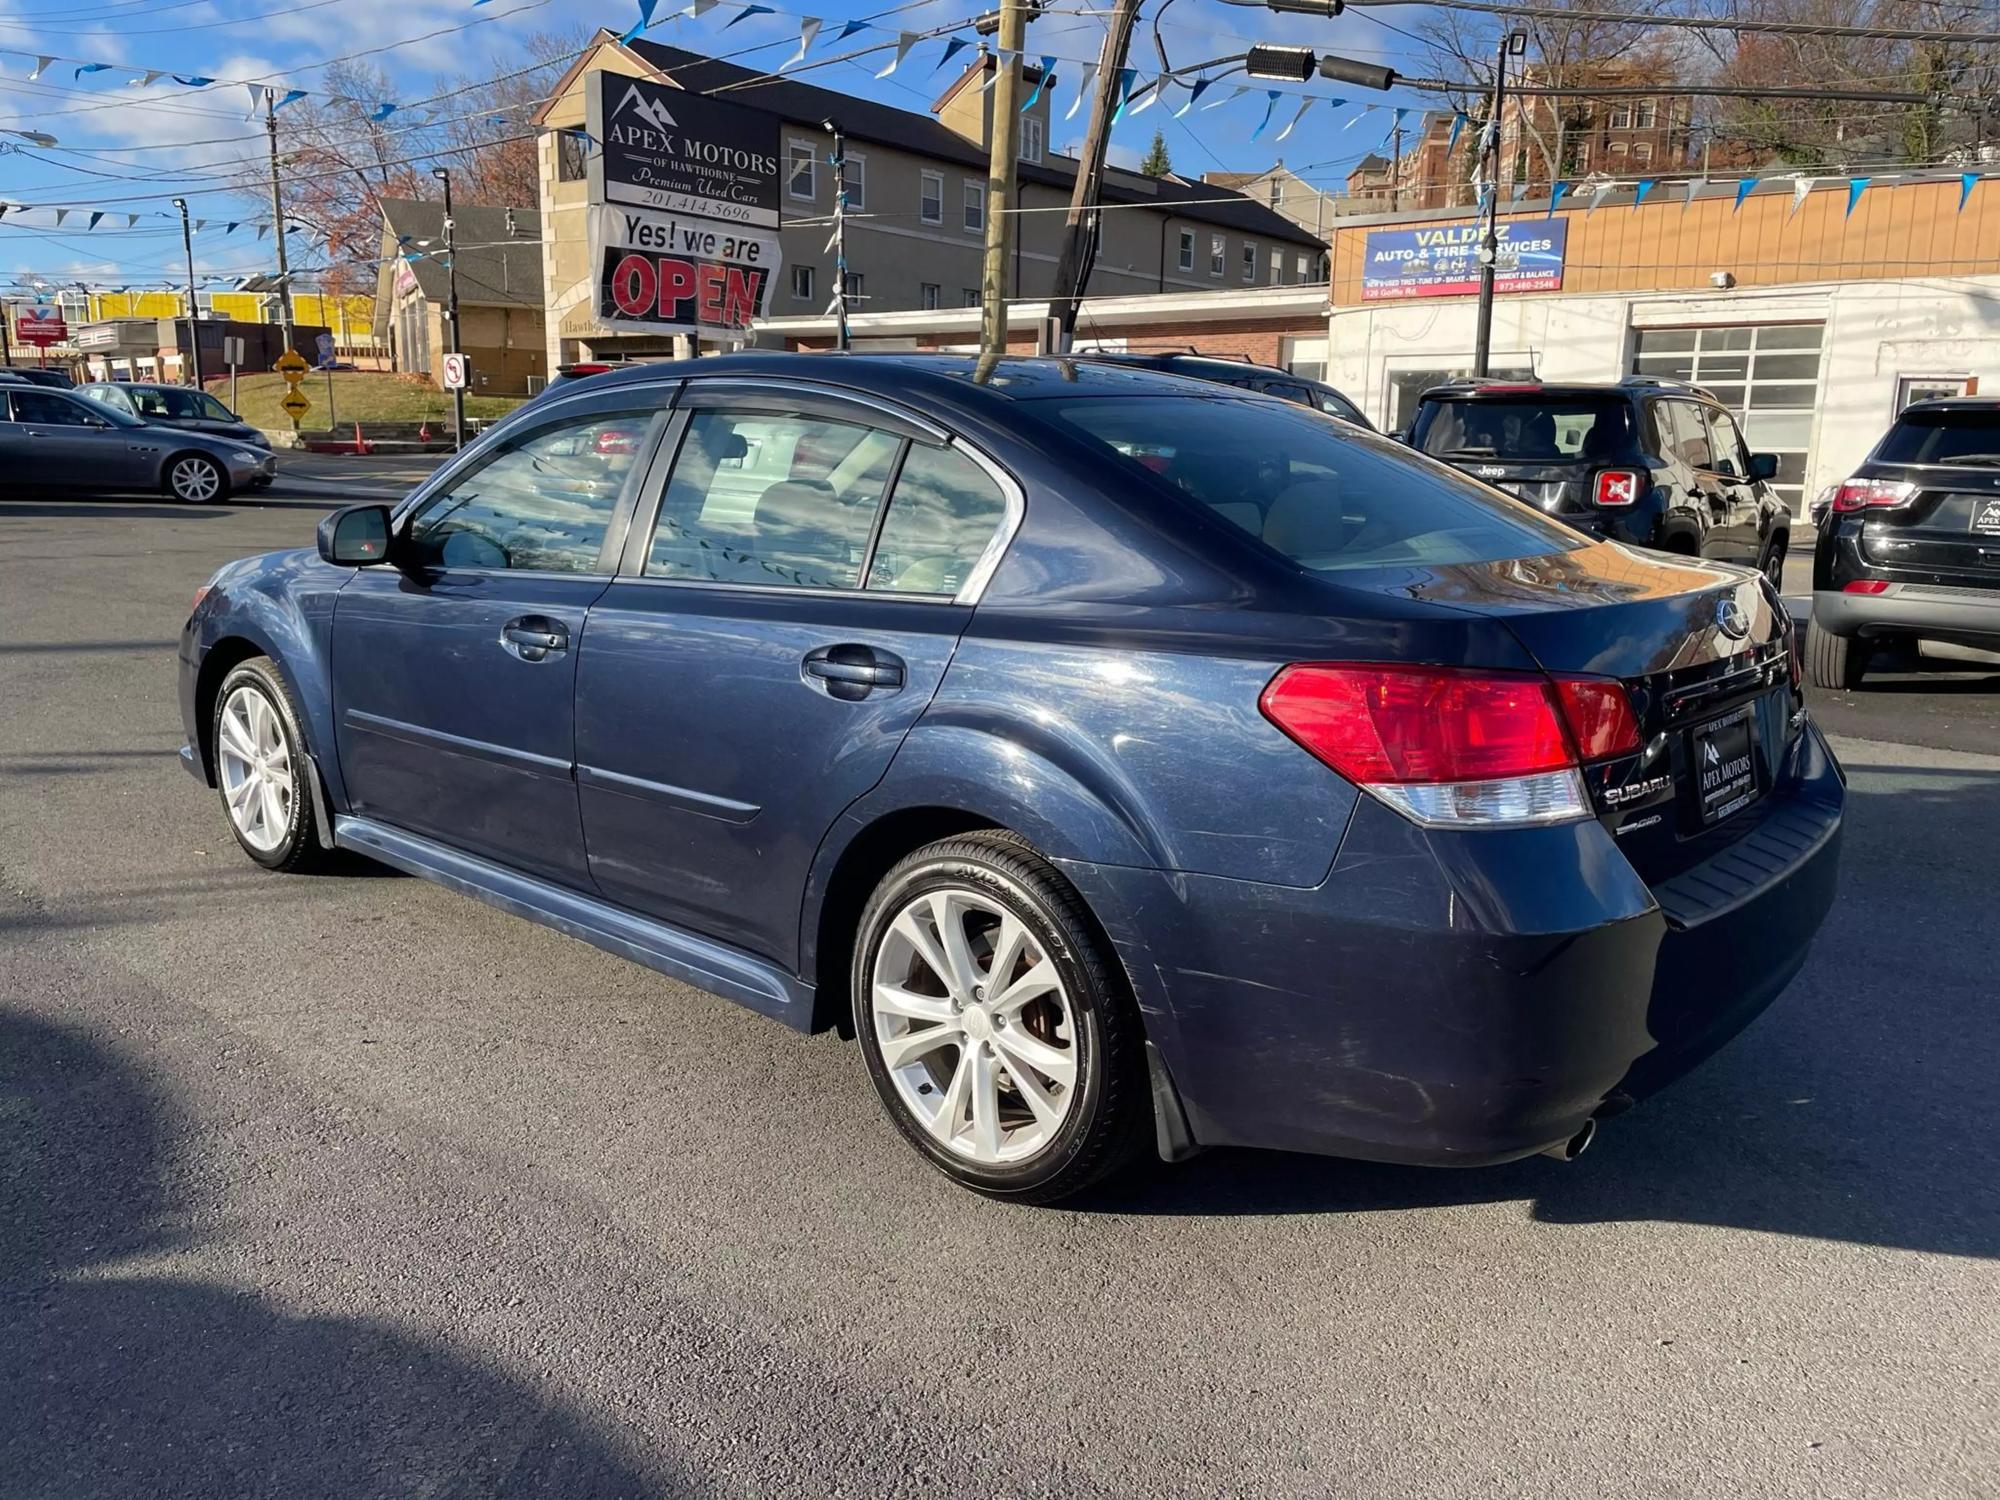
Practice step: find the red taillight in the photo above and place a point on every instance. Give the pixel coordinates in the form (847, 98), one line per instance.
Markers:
(1617, 487)
(199, 595)
(1600, 716)
(1866, 586)
(1870, 494)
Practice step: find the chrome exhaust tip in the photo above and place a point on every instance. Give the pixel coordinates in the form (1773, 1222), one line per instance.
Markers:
(1576, 1145)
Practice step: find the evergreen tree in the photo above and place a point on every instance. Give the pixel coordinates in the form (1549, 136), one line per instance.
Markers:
(1157, 163)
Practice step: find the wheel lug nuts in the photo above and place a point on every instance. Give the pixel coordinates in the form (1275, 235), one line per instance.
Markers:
(978, 993)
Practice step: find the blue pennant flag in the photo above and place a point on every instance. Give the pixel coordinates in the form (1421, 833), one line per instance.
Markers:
(84, 68)
(1457, 124)
(1556, 192)
(646, 8)
(1041, 82)
(382, 112)
(193, 80)
(1966, 182)
(1856, 186)
(1200, 87)
(746, 13)
(1125, 77)
(1640, 188)
(1270, 103)
(1743, 187)
(292, 96)
(232, 226)
(952, 47)
(850, 28)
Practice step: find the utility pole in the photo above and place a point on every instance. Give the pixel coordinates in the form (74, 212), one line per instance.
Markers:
(194, 313)
(1396, 166)
(839, 160)
(1005, 132)
(1073, 262)
(278, 225)
(443, 175)
(1511, 42)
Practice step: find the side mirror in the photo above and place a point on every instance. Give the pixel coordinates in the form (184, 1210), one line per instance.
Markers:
(1763, 466)
(355, 536)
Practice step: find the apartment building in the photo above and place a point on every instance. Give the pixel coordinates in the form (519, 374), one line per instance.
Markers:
(498, 252)
(1309, 204)
(916, 212)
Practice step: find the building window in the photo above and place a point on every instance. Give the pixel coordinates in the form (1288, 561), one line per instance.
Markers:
(1582, 158)
(928, 296)
(975, 207)
(802, 283)
(803, 181)
(572, 156)
(1249, 261)
(1187, 250)
(1031, 138)
(1277, 268)
(854, 286)
(930, 198)
(1303, 266)
(856, 172)
(1217, 252)
(1621, 117)
(1617, 155)
(1642, 154)
(1646, 114)
(972, 298)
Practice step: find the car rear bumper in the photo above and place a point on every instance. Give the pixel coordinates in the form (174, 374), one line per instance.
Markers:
(1956, 612)
(1468, 998)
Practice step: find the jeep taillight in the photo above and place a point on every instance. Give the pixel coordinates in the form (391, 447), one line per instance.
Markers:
(1617, 487)
(1451, 747)
(1872, 494)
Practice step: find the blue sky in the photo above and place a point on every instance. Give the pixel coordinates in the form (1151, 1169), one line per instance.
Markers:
(126, 145)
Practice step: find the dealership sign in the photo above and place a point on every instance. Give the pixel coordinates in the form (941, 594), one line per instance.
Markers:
(663, 273)
(42, 326)
(1443, 261)
(683, 153)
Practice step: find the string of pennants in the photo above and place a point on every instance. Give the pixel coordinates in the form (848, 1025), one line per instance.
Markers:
(57, 216)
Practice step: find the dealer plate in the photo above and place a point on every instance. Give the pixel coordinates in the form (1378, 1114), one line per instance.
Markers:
(1725, 765)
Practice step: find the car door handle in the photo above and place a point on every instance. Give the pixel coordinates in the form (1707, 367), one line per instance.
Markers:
(852, 672)
(533, 638)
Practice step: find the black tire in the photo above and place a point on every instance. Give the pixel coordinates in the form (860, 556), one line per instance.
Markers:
(298, 851)
(1773, 566)
(217, 476)
(1109, 1114)
(1835, 661)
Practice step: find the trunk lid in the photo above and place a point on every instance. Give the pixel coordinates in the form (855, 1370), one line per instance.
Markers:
(1948, 533)
(1704, 653)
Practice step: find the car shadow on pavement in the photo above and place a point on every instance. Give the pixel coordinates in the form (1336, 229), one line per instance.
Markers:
(107, 511)
(119, 1378)
(1864, 1106)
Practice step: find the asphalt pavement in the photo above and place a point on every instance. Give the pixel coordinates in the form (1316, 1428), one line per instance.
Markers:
(352, 1186)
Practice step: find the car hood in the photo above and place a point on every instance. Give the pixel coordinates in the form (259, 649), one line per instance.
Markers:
(209, 442)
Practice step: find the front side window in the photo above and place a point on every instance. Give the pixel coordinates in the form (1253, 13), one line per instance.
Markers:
(1725, 444)
(804, 159)
(1319, 491)
(542, 504)
(772, 499)
(1683, 434)
(975, 206)
(944, 512)
(930, 198)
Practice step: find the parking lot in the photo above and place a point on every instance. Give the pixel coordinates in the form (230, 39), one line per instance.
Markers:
(375, 1190)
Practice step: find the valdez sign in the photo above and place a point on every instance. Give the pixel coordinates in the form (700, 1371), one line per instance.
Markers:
(1443, 261)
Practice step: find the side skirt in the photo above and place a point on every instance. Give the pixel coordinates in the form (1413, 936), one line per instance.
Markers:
(698, 961)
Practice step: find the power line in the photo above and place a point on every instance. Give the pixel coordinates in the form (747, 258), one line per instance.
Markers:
(1704, 23)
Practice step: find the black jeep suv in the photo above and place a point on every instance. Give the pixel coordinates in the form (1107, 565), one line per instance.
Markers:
(1240, 373)
(1650, 462)
(1909, 548)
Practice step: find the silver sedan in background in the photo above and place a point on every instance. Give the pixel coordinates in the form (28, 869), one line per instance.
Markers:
(52, 439)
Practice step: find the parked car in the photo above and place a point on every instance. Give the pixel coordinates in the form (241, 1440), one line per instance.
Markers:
(1121, 757)
(58, 440)
(48, 375)
(1242, 374)
(174, 406)
(1651, 462)
(1909, 548)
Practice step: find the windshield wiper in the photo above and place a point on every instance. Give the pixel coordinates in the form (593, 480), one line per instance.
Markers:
(1982, 460)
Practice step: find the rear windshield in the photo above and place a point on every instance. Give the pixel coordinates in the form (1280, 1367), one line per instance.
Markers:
(1943, 437)
(1527, 429)
(1325, 493)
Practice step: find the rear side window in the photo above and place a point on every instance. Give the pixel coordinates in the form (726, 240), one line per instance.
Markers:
(1528, 429)
(1325, 494)
(1943, 437)
(943, 513)
(1683, 433)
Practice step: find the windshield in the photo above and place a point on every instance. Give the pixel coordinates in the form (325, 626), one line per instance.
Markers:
(1326, 494)
(1943, 437)
(1526, 429)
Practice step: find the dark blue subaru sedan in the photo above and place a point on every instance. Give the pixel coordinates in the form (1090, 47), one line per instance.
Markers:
(1126, 760)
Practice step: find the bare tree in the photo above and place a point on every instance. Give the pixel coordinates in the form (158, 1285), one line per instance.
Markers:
(488, 129)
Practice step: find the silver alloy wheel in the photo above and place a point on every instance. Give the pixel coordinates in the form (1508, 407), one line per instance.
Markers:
(974, 1025)
(194, 479)
(255, 765)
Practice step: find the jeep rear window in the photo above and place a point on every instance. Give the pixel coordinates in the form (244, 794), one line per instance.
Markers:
(1527, 429)
(1943, 437)
(1323, 492)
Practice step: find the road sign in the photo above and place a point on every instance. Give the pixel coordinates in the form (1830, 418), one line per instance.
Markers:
(42, 326)
(295, 403)
(292, 365)
(232, 349)
(456, 374)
